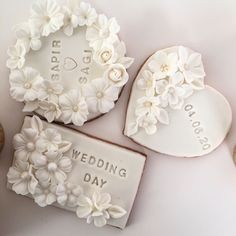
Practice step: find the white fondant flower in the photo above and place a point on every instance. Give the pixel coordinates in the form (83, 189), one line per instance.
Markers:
(26, 145)
(45, 195)
(192, 68)
(98, 209)
(87, 15)
(117, 75)
(50, 140)
(46, 15)
(50, 90)
(105, 55)
(50, 109)
(74, 108)
(52, 167)
(67, 194)
(148, 122)
(164, 65)
(71, 19)
(17, 56)
(22, 179)
(173, 91)
(25, 84)
(103, 31)
(151, 106)
(28, 36)
(147, 83)
(100, 96)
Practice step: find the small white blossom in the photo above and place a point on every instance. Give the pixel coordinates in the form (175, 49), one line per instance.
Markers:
(147, 83)
(163, 64)
(45, 195)
(17, 56)
(74, 108)
(52, 167)
(25, 84)
(28, 36)
(87, 15)
(22, 179)
(103, 31)
(46, 15)
(192, 68)
(98, 209)
(100, 96)
(67, 194)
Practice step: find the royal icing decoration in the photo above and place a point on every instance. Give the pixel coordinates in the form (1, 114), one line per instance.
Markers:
(68, 63)
(54, 165)
(169, 99)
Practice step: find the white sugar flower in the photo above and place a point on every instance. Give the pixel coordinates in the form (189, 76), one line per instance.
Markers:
(25, 84)
(147, 83)
(100, 96)
(28, 36)
(103, 31)
(173, 91)
(117, 75)
(151, 106)
(192, 68)
(26, 145)
(98, 209)
(148, 122)
(50, 90)
(51, 110)
(67, 194)
(45, 195)
(47, 16)
(163, 64)
(87, 15)
(105, 55)
(17, 56)
(49, 140)
(22, 179)
(52, 167)
(71, 19)
(74, 108)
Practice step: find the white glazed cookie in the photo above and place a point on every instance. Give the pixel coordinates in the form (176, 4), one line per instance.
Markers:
(56, 165)
(68, 63)
(172, 111)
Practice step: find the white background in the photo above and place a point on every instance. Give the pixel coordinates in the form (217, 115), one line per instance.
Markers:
(177, 196)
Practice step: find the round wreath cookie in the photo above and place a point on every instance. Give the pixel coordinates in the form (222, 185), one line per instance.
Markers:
(68, 63)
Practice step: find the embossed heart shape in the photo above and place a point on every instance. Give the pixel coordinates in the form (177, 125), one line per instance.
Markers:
(69, 64)
(195, 129)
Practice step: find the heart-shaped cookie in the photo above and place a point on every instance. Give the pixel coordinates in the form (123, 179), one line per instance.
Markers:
(170, 109)
(70, 67)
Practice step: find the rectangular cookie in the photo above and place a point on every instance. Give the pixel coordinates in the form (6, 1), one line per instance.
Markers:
(55, 165)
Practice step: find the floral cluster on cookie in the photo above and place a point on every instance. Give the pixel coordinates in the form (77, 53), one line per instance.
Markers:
(41, 169)
(168, 81)
(74, 106)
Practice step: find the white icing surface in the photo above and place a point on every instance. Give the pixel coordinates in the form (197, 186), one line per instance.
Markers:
(187, 134)
(127, 174)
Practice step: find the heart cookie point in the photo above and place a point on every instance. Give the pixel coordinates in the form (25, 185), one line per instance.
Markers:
(199, 116)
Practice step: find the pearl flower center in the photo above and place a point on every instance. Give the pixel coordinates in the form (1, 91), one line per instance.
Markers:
(47, 19)
(25, 175)
(147, 104)
(52, 166)
(149, 83)
(100, 95)
(164, 68)
(75, 108)
(30, 146)
(27, 85)
(106, 56)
